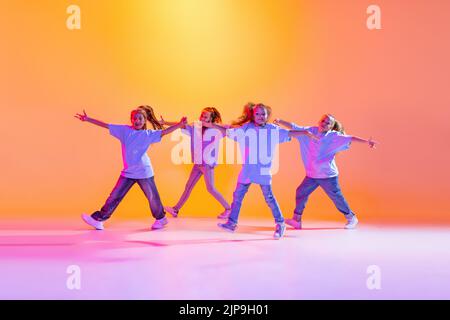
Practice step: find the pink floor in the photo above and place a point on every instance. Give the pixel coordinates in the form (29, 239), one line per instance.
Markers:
(193, 259)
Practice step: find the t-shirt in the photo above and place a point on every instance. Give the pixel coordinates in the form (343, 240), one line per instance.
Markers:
(319, 155)
(258, 146)
(136, 163)
(205, 144)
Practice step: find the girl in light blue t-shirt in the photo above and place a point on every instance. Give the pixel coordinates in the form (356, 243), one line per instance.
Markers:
(318, 157)
(257, 140)
(137, 168)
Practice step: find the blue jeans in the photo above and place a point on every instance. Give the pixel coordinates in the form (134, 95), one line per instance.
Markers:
(331, 188)
(238, 196)
(122, 187)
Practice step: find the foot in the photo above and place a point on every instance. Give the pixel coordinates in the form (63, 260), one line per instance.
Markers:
(225, 214)
(351, 222)
(294, 223)
(228, 226)
(159, 224)
(279, 230)
(92, 222)
(172, 211)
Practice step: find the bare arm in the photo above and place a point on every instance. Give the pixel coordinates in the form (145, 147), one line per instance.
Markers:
(170, 129)
(296, 133)
(283, 123)
(370, 142)
(221, 128)
(167, 123)
(84, 117)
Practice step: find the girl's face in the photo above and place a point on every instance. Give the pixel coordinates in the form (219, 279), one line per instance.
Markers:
(138, 120)
(325, 124)
(206, 116)
(260, 116)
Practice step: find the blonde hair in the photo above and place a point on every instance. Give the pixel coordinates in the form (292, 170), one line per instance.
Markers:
(337, 126)
(248, 113)
(149, 114)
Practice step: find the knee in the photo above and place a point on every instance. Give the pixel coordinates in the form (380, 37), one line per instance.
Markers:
(211, 189)
(269, 197)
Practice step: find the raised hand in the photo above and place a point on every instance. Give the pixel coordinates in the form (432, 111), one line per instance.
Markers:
(372, 143)
(162, 121)
(183, 122)
(82, 117)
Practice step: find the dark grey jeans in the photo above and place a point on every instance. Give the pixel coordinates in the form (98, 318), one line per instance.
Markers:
(122, 187)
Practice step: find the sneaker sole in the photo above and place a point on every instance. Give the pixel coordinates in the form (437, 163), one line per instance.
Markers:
(89, 224)
(226, 229)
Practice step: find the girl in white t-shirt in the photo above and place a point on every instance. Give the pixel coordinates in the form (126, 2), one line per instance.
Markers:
(135, 141)
(257, 140)
(203, 139)
(319, 160)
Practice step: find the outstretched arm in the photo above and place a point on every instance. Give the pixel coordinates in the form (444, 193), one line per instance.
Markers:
(222, 128)
(296, 133)
(181, 124)
(167, 123)
(283, 123)
(370, 142)
(84, 117)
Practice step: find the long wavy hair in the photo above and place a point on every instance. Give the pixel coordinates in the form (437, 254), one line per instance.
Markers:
(215, 114)
(149, 114)
(248, 113)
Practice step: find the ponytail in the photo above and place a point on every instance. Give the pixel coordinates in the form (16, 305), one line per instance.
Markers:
(246, 116)
(150, 115)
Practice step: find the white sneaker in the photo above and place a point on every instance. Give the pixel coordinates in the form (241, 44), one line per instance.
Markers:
(295, 222)
(92, 222)
(172, 211)
(159, 224)
(225, 214)
(351, 222)
(279, 230)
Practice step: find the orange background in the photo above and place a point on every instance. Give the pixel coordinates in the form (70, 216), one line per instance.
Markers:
(303, 58)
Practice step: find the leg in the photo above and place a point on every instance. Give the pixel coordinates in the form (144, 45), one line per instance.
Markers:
(238, 196)
(333, 190)
(272, 203)
(151, 192)
(195, 175)
(122, 187)
(208, 175)
(307, 186)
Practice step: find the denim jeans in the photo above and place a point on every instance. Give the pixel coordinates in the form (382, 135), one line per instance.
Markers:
(197, 171)
(122, 187)
(331, 188)
(238, 196)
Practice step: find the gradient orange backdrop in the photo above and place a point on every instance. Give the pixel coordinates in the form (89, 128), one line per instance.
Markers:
(303, 58)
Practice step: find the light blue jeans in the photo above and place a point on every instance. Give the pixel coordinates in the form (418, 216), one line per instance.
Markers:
(238, 196)
(331, 188)
(208, 173)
